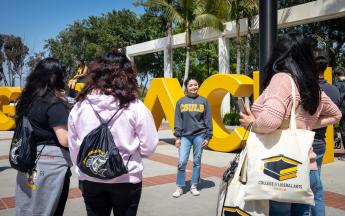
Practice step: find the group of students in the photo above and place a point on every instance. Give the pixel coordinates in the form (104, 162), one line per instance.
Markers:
(111, 85)
(58, 132)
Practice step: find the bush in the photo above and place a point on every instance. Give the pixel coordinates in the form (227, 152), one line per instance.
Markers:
(231, 118)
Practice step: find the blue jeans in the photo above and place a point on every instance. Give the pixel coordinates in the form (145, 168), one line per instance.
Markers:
(315, 181)
(280, 208)
(183, 154)
(288, 209)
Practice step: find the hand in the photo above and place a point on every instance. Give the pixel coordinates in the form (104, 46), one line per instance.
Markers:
(246, 118)
(177, 143)
(205, 143)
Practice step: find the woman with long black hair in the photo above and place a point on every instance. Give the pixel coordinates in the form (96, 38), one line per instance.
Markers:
(292, 58)
(45, 191)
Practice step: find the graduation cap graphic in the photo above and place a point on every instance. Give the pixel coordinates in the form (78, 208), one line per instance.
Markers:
(234, 211)
(280, 167)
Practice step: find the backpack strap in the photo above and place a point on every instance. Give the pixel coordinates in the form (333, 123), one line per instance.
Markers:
(129, 158)
(113, 116)
(100, 118)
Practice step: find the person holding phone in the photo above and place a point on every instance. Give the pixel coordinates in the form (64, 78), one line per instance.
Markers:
(292, 58)
(193, 128)
(242, 106)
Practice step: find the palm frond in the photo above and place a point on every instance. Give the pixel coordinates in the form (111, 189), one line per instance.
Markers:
(169, 9)
(208, 20)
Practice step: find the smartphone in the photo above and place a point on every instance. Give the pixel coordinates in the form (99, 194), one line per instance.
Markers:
(242, 105)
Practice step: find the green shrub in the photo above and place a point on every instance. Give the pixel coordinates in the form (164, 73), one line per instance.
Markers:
(231, 118)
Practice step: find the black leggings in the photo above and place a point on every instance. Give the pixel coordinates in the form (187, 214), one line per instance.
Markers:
(64, 195)
(101, 198)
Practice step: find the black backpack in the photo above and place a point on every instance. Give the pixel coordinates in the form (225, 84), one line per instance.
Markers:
(23, 152)
(98, 155)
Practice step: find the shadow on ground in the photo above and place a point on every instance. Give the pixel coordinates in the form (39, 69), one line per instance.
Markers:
(4, 168)
(170, 141)
(204, 184)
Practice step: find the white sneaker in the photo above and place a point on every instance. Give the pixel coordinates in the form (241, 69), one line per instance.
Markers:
(178, 192)
(194, 191)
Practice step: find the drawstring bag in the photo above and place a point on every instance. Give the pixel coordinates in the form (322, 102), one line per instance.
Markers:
(279, 165)
(232, 190)
(98, 155)
(23, 152)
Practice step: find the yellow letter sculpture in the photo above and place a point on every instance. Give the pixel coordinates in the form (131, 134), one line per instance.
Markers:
(6, 110)
(165, 92)
(214, 89)
(161, 99)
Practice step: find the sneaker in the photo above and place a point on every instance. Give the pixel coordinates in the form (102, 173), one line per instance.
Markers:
(194, 191)
(178, 192)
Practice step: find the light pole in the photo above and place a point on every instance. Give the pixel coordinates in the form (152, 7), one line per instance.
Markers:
(267, 33)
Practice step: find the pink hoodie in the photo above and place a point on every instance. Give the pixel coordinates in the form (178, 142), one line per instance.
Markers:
(133, 130)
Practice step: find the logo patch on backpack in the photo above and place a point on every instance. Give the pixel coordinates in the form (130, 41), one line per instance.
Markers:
(95, 161)
(14, 149)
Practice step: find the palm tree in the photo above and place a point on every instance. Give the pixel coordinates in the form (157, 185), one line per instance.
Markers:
(168, 72)
(237, 10)
(2, 60)
(251, 11)
(190, 14)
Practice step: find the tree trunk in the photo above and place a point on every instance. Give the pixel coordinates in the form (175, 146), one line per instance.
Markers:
(10, 74)
(144, 87)
(249, 37)
(20, 79)
(238, 47)
(3, 76)
(188, 46)
(186, 71)
(168, 56)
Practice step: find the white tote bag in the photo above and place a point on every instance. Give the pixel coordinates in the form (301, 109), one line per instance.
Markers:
(278, 164)
(231, 194)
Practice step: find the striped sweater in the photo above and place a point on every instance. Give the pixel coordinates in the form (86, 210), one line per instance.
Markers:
(273, 108)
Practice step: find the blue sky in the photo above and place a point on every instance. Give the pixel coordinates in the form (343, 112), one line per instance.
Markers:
(38, 20)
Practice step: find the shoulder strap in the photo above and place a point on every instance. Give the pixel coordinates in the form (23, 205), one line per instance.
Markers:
(292, 125)
(99, 117)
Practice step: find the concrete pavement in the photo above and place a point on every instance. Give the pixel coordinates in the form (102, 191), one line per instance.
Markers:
(159, 183)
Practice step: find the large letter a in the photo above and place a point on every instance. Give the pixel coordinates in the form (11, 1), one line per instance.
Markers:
(163, 92)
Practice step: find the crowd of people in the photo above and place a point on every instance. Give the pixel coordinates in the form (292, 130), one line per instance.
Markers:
(111, 95)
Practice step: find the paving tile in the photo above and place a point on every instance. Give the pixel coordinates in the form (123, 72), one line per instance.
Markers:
(9, 201)
(2, 205)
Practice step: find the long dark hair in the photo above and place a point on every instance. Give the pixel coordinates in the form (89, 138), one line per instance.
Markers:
(47, 79)
(321, 60)
(112, 74)
(293, 54)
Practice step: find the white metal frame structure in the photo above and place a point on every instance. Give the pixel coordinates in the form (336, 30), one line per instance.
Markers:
(315, 11)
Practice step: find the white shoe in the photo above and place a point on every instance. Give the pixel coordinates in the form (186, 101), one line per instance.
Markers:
(178, 192)
(194, 191)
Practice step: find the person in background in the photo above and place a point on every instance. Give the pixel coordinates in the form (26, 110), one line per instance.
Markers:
(112, 85)
(45, 192)
(292, 57)
(193, 128)
(340, 84)
(319, 145)
(79, 76)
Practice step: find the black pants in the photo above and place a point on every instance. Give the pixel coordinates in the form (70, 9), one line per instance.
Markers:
(64, 195)
(101, 198)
